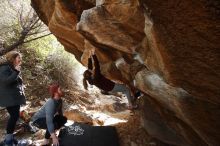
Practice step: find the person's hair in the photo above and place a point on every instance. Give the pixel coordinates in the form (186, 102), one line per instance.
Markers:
(53, 88)
(11, 56)
(85, 78)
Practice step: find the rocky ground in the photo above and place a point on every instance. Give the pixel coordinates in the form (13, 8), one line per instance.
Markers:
(95, 109)
(89, 107)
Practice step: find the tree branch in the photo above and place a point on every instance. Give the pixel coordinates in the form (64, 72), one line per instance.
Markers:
(37, 32)
(30, 25)
(37, 38)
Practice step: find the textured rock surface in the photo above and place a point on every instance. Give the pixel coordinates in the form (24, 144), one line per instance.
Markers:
(170, 48)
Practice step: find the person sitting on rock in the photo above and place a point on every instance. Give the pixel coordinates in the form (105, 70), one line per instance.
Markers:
(50, 116)
(94, 77)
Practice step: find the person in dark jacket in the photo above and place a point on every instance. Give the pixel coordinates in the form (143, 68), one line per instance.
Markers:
(50, 116)
(94, 77)
(11, 91)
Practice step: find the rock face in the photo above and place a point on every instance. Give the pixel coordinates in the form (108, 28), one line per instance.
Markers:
(169, 48)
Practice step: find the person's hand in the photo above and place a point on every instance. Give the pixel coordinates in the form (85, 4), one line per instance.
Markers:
(55, 140)
(18, 68)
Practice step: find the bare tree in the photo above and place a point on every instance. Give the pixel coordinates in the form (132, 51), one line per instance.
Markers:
(29, 28)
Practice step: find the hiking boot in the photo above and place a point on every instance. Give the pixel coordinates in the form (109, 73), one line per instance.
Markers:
(8, 143)
(12, 142)
(137, 94)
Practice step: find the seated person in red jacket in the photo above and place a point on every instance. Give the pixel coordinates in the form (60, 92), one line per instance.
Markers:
(94, 77)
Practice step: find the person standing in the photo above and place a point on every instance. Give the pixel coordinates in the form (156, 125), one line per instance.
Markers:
(11, 91)
(50, 116)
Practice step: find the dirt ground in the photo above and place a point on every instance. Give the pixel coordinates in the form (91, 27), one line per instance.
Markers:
(95, 109)
(89, 107)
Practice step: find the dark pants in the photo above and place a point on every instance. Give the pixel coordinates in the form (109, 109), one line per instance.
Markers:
(14, 116)
(58, 122)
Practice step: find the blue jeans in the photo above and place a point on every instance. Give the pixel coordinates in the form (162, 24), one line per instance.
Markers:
(125, 90)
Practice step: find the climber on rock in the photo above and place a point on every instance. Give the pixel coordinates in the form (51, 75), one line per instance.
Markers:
(94, 77)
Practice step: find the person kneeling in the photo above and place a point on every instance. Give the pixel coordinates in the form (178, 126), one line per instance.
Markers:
(50, 116)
